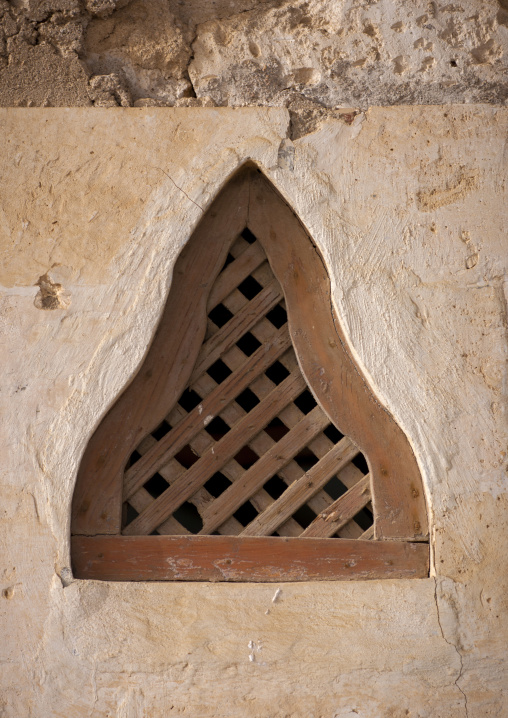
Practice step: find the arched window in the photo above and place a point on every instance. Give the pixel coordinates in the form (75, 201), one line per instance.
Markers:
(249, 447)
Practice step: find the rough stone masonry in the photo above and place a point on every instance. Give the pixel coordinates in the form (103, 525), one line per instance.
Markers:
(311, 55)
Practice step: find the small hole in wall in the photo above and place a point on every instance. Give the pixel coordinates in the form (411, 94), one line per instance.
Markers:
(453, 63)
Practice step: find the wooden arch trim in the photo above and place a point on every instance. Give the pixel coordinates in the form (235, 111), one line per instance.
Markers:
(400, 530)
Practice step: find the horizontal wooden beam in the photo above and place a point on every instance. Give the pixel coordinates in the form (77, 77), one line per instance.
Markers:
(230, 558)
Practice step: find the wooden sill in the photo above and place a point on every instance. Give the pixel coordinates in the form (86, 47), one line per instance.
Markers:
(252, 559)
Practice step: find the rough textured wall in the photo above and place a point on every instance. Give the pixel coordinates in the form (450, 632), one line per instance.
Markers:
(408, 206)
(305, 55)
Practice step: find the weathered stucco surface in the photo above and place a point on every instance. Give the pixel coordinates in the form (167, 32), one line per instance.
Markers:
(310, 53)
(408, 206)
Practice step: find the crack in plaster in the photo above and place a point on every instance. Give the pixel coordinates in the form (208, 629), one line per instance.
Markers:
(94, 687)
(181, 190)
(450, 643)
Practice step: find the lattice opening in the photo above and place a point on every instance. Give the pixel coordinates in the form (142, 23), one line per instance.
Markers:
(247, 451)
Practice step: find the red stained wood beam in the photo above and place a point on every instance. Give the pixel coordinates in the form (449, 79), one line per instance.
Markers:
(230, 558)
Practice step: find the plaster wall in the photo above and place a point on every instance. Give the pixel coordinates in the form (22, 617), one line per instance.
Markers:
(408, 206)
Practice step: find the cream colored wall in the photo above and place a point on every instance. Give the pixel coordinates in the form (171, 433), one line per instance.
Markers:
(408, 206)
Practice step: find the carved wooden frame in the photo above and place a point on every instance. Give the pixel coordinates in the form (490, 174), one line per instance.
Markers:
(399, 548)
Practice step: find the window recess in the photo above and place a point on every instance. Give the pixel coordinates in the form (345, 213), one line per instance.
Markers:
(249, 447)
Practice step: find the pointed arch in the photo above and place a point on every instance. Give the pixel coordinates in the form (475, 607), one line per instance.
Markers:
(109, 544)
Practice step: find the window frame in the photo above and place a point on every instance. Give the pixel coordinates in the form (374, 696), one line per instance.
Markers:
(399, 549)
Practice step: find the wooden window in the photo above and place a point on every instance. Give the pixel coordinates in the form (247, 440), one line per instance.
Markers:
(249, 447)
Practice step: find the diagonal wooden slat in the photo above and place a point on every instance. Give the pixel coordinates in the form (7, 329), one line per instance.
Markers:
(265, 467)
(290, 416)
(264, 331)
(211, 405)
(261, 443)
(171, 526)
(239, 246)
(340, 512)
(202, 497)
(233, 330)
(235, 273)
(171, 471)
(233, 471)
(302, 489)
(141, 499)
(369, 534)
(235, 301)
(349, 476)
(263, 274)
(217, 456)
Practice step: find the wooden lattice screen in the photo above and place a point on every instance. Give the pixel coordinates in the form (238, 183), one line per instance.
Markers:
(225, 457)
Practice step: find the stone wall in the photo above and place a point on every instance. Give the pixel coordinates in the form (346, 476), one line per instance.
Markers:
(408, 206)
(307, 55)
